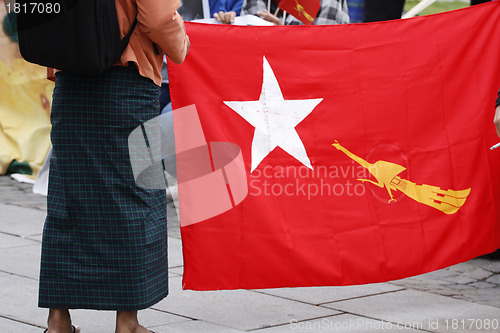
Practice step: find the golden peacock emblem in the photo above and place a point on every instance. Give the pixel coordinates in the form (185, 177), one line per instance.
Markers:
(386, 175)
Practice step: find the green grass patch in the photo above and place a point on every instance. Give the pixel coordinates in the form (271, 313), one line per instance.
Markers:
(437, 7)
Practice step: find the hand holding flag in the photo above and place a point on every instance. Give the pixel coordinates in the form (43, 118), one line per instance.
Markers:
(273, 18)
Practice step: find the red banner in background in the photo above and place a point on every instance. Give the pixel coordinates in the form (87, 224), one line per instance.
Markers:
(366, 148)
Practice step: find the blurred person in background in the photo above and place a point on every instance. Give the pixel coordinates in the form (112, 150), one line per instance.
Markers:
(330, 12)
(225, 11)
(383, 10)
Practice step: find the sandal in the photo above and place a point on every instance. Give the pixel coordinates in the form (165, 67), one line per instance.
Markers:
(74, 329)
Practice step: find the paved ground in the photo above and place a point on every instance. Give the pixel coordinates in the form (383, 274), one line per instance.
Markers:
(461, 298)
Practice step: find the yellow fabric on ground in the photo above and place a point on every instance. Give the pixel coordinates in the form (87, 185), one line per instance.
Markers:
(25, 97)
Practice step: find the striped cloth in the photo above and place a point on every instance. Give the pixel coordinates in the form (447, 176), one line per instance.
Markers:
(105, 240)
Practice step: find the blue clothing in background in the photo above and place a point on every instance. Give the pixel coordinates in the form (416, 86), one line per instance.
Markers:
(356, 10)
(225, 6)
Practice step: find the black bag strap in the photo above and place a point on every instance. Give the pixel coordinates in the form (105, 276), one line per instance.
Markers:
(126, 38)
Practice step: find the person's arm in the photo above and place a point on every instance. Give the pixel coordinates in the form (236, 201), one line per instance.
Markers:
(51, 74)
(235, 6)
(270, 17)
(162, 24)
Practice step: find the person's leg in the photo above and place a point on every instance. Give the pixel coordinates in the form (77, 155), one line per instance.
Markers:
(164, 95)
(127, 322)
(59, 321)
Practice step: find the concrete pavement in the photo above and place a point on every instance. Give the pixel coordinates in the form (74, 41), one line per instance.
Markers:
(461, 298)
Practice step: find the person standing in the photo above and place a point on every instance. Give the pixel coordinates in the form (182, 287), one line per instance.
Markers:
(330, 12)
(104, 242)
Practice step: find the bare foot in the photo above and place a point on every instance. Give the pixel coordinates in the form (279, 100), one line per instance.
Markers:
(59, 321)
(127, 322)
(137, 329)
(77, 330)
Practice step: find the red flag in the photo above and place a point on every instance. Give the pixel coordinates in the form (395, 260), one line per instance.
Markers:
(366, 148)
(304, 10)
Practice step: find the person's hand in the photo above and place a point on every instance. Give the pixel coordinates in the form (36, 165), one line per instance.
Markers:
(270, 17)
(497, 120)
(225, 17)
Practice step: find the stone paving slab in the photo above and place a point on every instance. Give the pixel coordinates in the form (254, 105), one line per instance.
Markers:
(91, 321)
(175, 258)
(10, 241)
(194, 326)
(19, 297)
(342, 323)
(319, 295)
(474, 281)
(463, 267)
(171, 274)
(421, 310)
(11, 326)
(22, 261)
(36, 238)
(239, 309)
(177, 270)
(21, 221)
(494, 279)
(155, 318)
(20, 194)
(173, 226)
(490, 265)
(478, 273)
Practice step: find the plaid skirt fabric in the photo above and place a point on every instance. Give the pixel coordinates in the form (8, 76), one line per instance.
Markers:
(105, 240)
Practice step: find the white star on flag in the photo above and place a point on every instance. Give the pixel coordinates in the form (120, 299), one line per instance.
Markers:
(274, 119)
